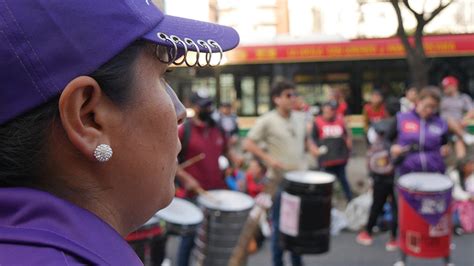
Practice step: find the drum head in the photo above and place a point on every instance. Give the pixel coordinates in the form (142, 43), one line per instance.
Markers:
(182, 212)
(309, 177)
(153, 220)
(226, 200)
(425, 182)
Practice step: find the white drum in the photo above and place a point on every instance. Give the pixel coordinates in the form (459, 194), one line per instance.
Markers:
(181, 216)
(226, 200)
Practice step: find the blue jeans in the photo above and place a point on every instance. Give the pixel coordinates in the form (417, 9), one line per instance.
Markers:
(277, 251)
(340, 172)
(456, 219)
(184, 251)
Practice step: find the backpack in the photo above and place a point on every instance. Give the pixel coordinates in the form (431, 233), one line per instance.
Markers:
(186, 137)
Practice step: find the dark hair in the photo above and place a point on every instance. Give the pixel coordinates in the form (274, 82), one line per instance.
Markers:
(260, 163)
(279, 87)
(23, 140)
(431, 92)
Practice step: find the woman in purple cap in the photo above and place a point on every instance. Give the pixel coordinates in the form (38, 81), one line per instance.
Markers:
(88, 126)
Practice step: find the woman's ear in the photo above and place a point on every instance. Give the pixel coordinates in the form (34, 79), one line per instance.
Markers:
(82, 107)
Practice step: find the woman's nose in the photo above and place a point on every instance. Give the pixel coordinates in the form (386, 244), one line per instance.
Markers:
(178, 106)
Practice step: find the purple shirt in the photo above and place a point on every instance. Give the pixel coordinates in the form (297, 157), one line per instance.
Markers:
(37, 228)
(428, 135)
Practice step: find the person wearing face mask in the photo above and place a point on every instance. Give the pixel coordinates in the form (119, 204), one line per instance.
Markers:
(88, 124)
(200, 135)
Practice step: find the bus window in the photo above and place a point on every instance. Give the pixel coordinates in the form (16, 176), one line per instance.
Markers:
(263, 95)
(227, 88)
(248, 96)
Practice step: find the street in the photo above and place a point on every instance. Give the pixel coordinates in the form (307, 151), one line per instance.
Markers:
(345, 251)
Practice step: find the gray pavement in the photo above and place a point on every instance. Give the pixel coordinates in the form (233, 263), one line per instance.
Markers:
(344, 251)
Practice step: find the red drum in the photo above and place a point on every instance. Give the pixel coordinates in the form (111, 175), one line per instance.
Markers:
(425, 214)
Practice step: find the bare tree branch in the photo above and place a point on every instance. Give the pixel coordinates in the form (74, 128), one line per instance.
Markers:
(437, 11)
(407, 4)
(401, 29)
(416, 57)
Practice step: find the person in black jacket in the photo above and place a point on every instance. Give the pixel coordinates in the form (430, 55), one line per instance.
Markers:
(382, 173)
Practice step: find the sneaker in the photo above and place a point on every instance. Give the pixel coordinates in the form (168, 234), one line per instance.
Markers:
(458, 231)
(468, 139)
(391, 245)
(364, 238)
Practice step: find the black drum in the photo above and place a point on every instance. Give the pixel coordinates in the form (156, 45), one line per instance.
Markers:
(305, 214)
(149, 242)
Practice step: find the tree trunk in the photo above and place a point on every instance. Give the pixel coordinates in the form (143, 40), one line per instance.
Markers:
(419, 70)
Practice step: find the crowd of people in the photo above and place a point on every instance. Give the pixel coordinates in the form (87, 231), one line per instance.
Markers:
(414, 133)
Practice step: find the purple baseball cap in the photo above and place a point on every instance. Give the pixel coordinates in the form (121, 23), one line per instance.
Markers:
(44, 44)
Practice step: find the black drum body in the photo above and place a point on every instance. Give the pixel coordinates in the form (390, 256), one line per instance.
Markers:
(149, 242)
(305, 214)
(150, 251)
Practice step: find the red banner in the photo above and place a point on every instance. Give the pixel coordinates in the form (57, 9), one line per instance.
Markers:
(362, 49)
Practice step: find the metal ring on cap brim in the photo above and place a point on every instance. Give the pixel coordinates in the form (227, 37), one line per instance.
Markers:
(178, 40)
(191, 42)
(208, 55)
(173, 54)
(221, 53)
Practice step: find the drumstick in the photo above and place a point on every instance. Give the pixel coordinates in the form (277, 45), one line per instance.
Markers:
(192, 161)
(239, 254)
(206, 194)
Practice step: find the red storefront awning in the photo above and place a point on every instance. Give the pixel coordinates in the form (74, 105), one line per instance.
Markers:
(360, 49)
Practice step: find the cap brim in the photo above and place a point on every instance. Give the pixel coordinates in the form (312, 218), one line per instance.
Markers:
(226, 37)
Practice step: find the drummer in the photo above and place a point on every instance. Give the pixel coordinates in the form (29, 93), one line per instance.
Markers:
(88, 125)
(421, 136)
(282, 131)
(201, 135)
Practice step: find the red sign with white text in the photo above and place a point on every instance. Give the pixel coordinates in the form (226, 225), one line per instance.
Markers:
(361, 49)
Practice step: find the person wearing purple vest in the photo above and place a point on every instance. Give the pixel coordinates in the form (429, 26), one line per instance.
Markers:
(88, 125)
(421, 136)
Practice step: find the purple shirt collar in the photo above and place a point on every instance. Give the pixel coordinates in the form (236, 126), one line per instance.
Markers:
(34, 217)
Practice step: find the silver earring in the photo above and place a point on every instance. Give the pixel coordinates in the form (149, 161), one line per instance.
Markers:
(103, 153)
